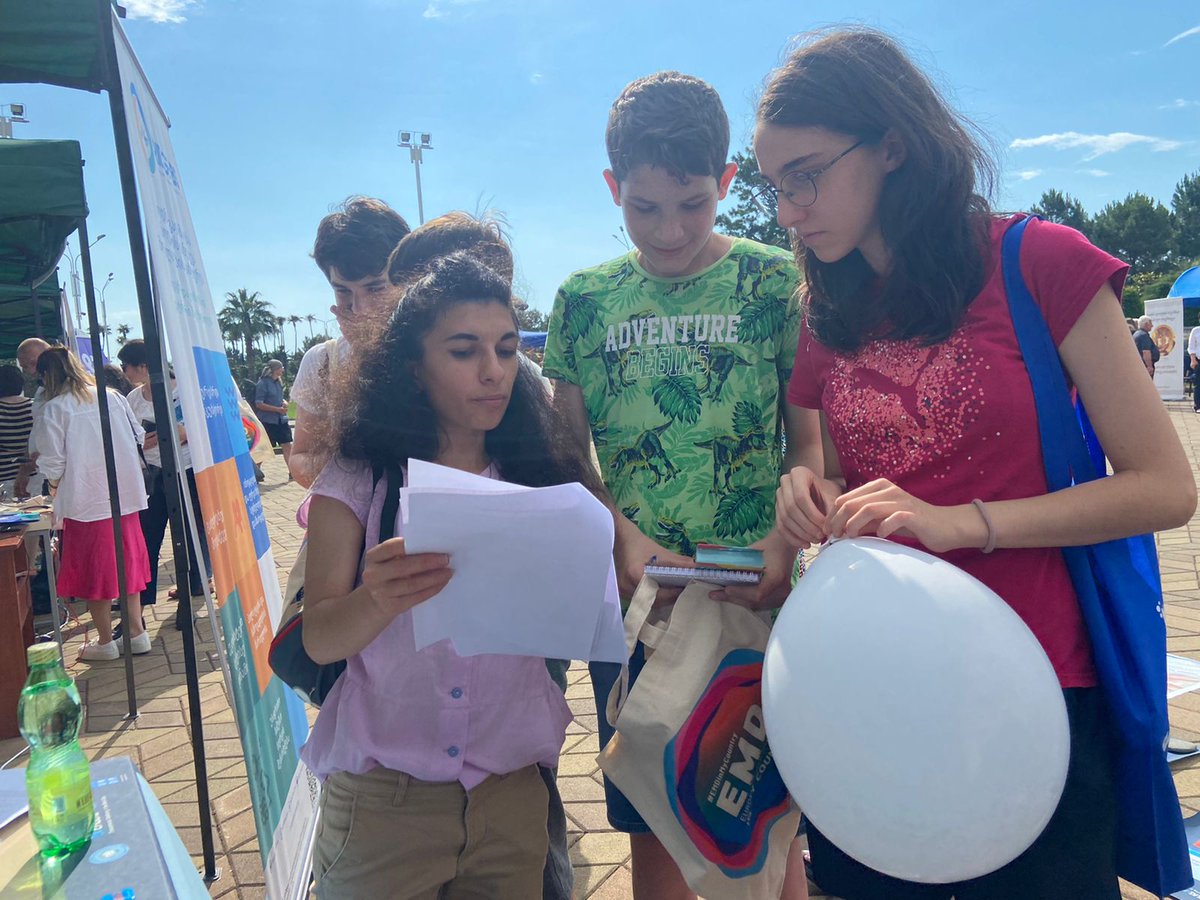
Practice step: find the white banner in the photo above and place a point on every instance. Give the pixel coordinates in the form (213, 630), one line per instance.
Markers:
(1167, 334)
(271, 718)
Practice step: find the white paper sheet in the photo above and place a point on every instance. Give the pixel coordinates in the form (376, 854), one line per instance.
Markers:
(533, 567)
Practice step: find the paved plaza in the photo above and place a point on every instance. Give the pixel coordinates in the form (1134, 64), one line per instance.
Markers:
(158, 741)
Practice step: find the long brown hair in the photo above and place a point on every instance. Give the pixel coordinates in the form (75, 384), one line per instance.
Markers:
(62, 373)
(933, 210)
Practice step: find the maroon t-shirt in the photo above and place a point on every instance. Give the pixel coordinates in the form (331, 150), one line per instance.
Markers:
(956, 420)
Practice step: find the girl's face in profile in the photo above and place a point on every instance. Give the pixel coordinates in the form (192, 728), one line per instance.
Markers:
(844, 216)
(469, 365)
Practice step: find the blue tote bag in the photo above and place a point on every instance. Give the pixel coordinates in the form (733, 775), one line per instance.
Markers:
(1120, 595)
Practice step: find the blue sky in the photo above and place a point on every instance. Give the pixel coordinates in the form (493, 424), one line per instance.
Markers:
(280, 108)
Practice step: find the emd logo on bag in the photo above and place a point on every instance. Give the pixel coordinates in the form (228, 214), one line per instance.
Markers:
(722, 782)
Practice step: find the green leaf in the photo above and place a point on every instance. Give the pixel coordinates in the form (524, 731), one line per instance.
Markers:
(678, 398)
(747, 417)
(762, 319)
(740, 511)
(579, 315)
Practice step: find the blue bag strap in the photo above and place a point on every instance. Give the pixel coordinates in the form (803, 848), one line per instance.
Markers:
(1066, 455)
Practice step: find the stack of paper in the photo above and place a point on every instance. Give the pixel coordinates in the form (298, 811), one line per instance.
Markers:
(533, 567)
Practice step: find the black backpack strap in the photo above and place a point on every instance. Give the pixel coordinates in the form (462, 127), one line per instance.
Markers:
(391, 503)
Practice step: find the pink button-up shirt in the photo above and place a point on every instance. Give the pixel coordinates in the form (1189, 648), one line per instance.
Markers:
(430, 713)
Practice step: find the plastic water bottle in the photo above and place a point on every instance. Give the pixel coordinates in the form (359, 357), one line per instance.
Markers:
(58, 779)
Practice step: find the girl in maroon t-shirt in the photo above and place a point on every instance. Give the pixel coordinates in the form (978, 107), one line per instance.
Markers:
(909, 352)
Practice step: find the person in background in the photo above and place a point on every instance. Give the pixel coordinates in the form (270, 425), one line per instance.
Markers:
(67, 435)
(929, 421)
(351, 249)
(135, 363)
(272, 409)
(1193, 349)
(115, 379)
(27, 356)
(16, 424)
(1147, 349)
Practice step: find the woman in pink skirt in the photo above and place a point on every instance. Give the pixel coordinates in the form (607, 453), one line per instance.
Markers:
(67, 438)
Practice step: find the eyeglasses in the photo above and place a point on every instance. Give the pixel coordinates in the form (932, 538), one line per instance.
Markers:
(798, 188)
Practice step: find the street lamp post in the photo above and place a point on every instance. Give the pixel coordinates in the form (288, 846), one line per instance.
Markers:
(104, 313)
(416, 142)
(73, 258)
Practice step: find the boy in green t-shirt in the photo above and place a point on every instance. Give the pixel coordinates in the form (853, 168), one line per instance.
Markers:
(674, 361)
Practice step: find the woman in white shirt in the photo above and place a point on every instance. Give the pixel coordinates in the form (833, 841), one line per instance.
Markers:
(67, 435)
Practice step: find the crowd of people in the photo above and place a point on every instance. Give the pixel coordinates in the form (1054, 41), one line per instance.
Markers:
(725, 399)
(887, 397)
(50, 442)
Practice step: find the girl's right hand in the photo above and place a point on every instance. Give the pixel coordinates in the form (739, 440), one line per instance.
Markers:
(399, 581)
(802, 506)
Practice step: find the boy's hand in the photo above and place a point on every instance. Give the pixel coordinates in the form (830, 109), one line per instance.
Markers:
(633, 551)
(779, 557)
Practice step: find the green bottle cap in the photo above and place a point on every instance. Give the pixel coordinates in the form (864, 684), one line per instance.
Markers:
(43, 653)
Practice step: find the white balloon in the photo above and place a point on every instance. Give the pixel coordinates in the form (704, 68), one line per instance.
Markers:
(913, 716)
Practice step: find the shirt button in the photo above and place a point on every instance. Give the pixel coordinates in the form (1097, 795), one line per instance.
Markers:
(457, 693)
(453, 751)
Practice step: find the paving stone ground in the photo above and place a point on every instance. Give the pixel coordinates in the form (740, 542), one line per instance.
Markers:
(159, 743)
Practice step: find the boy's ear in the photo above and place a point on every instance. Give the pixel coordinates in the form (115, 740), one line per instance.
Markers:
(614, 186)
(894, 151)
(725, 180)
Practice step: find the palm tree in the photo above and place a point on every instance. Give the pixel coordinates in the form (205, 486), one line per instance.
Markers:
(310, 319)
(122, 334)
(294, 321)
(246, 316)
(279, 323)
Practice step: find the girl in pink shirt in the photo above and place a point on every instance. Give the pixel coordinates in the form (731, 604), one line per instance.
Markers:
(909, 352)
(429, 760)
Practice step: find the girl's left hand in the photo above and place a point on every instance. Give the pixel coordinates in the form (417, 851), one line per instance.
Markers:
(885, 510)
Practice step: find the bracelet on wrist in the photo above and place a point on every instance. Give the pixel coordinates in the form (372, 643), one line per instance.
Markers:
(990, 544)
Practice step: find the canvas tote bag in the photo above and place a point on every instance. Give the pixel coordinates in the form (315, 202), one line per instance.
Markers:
(690, 750)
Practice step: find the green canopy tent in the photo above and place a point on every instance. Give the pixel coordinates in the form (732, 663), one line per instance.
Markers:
(53, 42)
(22, 316)
(41, 203)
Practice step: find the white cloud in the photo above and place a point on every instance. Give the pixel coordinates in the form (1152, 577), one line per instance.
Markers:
(1096, 144)
(1180, 103)
(158, 10)
(1182, 35)
(536, 77)
(441, 9)
(1029, 174)
(1095, 173)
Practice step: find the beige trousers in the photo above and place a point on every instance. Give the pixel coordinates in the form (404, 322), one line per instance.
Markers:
(386, 834)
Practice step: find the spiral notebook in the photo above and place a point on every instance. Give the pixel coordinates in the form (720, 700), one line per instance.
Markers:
(715, 564)
(673, 576)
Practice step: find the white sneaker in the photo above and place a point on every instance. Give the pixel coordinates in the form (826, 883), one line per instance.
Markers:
(138, 646)
(95, 651)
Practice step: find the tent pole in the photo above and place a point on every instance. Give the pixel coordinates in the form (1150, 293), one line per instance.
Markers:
(110, 465)
(37, 311)
(164, 415)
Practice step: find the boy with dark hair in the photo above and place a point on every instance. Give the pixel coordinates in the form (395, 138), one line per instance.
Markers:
(352, 249)
(135, 366)
(674, 360)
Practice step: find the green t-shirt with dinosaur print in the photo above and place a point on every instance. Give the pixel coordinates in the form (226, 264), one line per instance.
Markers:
(684, 381)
